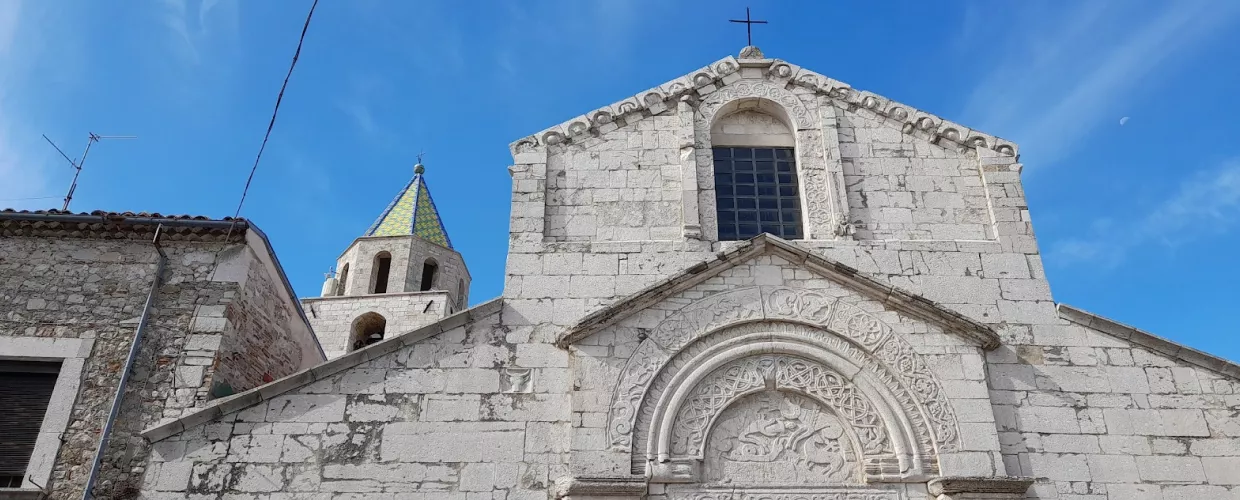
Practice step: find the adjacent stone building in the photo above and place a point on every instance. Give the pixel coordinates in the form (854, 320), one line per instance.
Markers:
(753, 282)
(207, 299)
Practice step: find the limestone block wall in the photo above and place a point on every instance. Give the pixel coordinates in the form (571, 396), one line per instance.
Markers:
(1092, 414)
(332, 317)
(442, 416)
(623, 186)
(87, 288)
(900, 187)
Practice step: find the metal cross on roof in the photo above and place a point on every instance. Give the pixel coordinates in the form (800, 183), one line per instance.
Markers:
(748, 25)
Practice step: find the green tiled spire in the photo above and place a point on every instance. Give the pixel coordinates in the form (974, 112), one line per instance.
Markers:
(412, 212)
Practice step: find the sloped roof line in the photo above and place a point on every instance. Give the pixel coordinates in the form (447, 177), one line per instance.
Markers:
(387, 211)
(1149, 341)
(710, 78)
(899, 299)
(329, 368)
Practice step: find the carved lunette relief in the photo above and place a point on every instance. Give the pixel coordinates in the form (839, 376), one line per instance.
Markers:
(743, 376)
(684, 332)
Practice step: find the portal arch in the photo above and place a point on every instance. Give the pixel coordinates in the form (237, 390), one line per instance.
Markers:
(683, 403)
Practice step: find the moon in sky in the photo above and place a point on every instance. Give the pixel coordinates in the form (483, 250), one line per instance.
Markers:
(1123, 120)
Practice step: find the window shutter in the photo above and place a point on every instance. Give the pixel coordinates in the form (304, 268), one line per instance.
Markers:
(25, 389)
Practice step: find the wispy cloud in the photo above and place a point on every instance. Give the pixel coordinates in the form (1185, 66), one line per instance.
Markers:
(1073, 69)
(1208, 203)
(21, 165)
(197, 25)
(364, 93)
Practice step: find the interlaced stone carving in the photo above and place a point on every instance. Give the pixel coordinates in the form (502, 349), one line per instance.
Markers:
(859, 325)
(796, 109)
(915, 375)
(637, 373)
(707, 314)
(853, 333)
(808, 306)
(782, 372)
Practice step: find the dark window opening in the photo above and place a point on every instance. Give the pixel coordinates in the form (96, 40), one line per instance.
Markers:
(368, 329)
(383, 264)
(342, 286)
(429, 269)
(25, 390)
(756, 192)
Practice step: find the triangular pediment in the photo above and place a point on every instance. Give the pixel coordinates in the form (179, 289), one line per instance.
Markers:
(890, 296)
(711, 78)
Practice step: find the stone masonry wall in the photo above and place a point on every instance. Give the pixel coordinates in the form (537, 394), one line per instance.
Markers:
(91, 288)
(256, 346)
(333, 317)
(625, 186)
(409, 254)
(1096, 417)
(96, 289)
(904, 188)
(435, 420)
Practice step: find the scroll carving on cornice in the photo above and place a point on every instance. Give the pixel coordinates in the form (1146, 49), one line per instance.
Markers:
(724, 73)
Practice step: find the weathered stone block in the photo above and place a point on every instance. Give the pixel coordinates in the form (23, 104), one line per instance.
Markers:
(1168, 468)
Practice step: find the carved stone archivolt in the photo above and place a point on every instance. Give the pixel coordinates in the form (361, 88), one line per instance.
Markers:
(821, 364)
(800, 116)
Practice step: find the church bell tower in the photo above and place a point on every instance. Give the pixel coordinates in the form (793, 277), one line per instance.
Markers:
(401, 274)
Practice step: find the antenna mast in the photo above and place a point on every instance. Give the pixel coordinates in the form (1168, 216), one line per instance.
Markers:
(77, 165)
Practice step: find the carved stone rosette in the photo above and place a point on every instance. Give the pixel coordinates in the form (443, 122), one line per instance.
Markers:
(820, 363)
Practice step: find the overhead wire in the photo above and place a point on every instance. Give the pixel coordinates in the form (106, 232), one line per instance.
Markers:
(274, 112)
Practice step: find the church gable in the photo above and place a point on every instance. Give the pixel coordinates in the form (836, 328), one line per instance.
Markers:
(729, 70)
(749, 146)
(807, 263)
(768, 334)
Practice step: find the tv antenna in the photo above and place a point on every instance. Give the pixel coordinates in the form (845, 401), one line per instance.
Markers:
(77, 165)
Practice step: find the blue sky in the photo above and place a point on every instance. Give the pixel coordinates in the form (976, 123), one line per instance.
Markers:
(1126, 113)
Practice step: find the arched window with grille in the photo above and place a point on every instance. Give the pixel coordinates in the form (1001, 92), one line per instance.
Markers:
(755, 173)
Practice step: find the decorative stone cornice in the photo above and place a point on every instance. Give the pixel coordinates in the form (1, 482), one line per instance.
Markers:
(898, 299)
(710, 78)
(979, 487)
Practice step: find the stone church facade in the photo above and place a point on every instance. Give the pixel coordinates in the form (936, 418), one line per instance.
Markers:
(751, 282)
